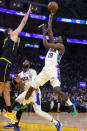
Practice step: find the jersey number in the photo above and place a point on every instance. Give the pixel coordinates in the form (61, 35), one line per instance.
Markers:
(50, 55)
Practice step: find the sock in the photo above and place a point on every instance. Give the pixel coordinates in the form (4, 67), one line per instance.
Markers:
(54, 121)
(8, 109)
(69, 102)
(18, 116)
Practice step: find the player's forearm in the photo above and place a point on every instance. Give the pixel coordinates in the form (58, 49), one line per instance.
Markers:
(45, 42)
(17, 31)
(50, 21)
(50, 32)
(51, 45)
(24, 20)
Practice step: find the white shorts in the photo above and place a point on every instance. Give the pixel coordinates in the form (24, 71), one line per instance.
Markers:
(45, 75)
(35, 98)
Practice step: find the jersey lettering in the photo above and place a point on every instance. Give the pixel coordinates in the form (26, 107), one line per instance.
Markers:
(24, 78)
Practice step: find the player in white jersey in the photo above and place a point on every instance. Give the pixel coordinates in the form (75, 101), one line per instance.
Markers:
(51, 69)
(27, 75)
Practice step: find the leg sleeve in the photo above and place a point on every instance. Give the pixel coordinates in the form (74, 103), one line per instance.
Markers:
(41, 113)
(18, 115)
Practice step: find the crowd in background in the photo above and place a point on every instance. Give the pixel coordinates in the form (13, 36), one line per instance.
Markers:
(73, 70)
(71, 75)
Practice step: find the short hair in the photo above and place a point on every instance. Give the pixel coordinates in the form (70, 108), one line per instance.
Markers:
(64, 39)
(6, 32)
(26, 60)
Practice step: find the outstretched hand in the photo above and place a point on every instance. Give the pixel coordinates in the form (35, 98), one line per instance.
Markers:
(30, 9)
(51, 14)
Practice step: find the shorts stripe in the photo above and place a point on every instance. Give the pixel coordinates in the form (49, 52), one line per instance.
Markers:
(37, 97)
(5, 71)
(58, 74)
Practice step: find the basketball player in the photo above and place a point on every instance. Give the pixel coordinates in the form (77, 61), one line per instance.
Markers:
(10, 47)
(26, 76)
(51, 70)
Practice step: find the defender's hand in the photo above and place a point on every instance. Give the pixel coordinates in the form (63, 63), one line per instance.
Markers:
(30, 8)
(51, 15)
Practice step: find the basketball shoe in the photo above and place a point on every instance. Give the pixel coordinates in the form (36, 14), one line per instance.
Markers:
(11, 116)
(73, 110)
(10, 125)
(59, 126)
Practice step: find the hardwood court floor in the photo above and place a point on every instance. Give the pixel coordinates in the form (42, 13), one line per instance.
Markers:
(32, 122)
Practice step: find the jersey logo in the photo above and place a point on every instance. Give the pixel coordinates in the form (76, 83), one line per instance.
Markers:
(24, 78)
(50, 55)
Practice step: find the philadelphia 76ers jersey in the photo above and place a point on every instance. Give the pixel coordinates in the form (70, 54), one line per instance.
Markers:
(53, 57)
(28, 75)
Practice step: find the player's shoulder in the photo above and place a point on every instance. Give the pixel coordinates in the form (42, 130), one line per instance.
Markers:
(20, 73)
(32, 70)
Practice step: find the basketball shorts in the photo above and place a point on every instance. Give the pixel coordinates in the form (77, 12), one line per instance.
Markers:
(52, 74)
(5, 69)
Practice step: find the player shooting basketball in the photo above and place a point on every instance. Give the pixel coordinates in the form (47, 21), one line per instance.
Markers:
(51, 70)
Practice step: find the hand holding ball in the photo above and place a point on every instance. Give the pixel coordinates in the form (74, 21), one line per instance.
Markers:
(53, 7)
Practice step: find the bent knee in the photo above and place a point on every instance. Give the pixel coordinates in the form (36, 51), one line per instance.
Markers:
(56, 89)
(7, 88)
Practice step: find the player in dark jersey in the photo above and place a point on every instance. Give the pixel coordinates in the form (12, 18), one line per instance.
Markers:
(10, 47)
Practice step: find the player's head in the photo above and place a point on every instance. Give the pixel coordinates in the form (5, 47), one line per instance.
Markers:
(8, 32)
(61, 39)
(26, 65)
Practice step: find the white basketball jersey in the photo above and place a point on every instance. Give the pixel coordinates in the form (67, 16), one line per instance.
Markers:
(53, 57)
(28, 76)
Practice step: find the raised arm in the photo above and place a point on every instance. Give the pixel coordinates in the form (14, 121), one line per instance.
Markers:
(50, 32)
(58, 46)
(17, 31)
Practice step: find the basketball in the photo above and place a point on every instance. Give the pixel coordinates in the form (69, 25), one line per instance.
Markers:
(53, 6)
